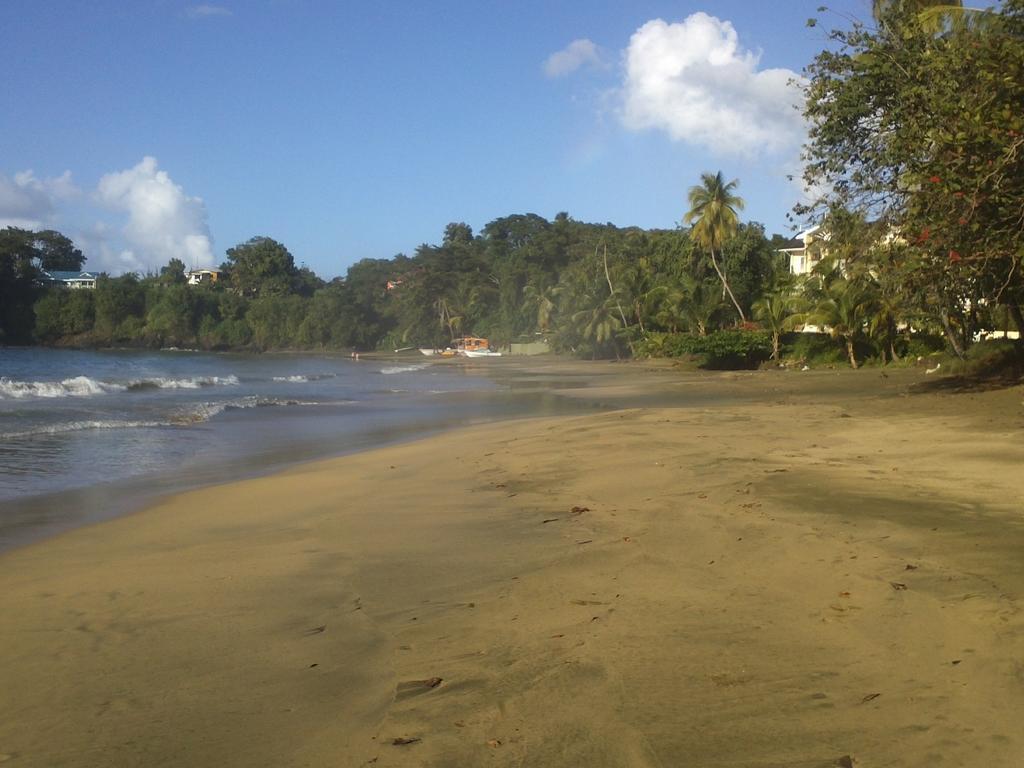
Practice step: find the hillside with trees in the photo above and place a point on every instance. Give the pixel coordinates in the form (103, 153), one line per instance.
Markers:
(916, 137)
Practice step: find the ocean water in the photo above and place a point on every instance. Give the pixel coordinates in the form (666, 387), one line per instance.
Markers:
(87, 435)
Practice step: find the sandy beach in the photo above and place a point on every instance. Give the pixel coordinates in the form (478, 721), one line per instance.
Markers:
(748, 570)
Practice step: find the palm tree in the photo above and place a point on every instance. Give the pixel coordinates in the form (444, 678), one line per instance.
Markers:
(599, 324)
(845, 309)
(776, 311)
(446, 317)
(712, 212)
(543, 299)
(699, 302)
(884, 325)
(935, 15)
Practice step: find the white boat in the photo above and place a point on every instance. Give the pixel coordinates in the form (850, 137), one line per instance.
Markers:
(480, 353)
(427, 352)
(474, 346)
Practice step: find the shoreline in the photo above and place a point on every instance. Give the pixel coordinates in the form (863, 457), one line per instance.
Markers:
(29, 519)
(711, 584)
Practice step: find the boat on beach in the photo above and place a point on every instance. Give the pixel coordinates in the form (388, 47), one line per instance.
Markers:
(480, 353)
(474, 346)
(467, 346)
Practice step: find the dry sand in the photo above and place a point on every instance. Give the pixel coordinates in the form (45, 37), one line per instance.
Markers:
(813, 571)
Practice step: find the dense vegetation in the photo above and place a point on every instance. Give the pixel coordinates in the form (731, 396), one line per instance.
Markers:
(916, 138)
(590, 289)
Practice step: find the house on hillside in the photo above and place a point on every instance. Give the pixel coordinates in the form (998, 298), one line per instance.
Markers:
(802, 253)
(203, 276)
(68, 279)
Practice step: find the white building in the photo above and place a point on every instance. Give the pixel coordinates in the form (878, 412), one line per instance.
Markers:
(203, 276)
(803, 254)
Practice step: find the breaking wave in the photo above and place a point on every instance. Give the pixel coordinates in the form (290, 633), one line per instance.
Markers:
(403, 368)
(79, 386)
(78, 426)
(83, 386)
(205, 411)
(194, 414)
(306, 377)
(191, 382)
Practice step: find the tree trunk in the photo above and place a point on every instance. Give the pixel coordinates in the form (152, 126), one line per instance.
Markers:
(775, 345)
(625, 323)
(849, 351)
(640, 320)
(954, 342)
(725, 285)
(1018, 317)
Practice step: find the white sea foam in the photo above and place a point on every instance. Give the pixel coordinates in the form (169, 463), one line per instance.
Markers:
(79, 386)
(83, 386)
(189, 382)
(403, 368)
(202, 412)
(302, 378)
(78, 426)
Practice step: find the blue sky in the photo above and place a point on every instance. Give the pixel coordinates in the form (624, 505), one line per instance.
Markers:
(351, 130)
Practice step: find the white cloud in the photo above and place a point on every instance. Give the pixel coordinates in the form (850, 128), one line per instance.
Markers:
(163, 221)
(692, 80)
(205, 11)
(577, 54)
(29, 202)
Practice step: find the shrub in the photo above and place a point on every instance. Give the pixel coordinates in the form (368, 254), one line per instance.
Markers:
(732, 349)
(996, 358)
(721, 350)
(814, 349)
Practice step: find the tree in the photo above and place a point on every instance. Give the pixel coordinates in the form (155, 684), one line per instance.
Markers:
(844, 310)
(712, 212)
(921, 129)
(120, 304)
(776, 311)
(61, 313)
(934, 16)
(18, 289)
(543, 301)
(55, 251)
(599, 324)
(262, 267)
(697, 303)
(173, 273)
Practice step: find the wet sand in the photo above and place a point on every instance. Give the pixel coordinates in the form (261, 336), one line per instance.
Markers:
(765, 569)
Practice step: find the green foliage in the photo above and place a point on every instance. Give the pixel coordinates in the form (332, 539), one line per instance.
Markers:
(924, 344)
(916, 124)
(662, 344)
(62, 313)
(730, 349)
(118, 299)
(275, 321)
(55, 251)
(845, 307)
(261, 267)
(813, 349)
(713, 208)
(593, 289)
(995, 358)
(721, 350)
(18, 289)
(173, 273)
